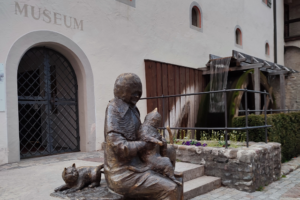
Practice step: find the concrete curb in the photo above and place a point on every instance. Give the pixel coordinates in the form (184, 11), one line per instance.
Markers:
(290, 166)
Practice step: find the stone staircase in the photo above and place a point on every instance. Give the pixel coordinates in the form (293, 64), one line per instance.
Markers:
(195, 182)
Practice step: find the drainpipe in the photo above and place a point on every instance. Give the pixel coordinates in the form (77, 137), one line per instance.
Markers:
(281, 76)
(275, 31)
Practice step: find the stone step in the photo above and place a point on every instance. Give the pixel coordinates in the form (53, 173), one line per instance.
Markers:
(200, 186)
(190, 171)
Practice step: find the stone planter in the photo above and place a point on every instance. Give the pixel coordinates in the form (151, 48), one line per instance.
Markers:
(242, 168)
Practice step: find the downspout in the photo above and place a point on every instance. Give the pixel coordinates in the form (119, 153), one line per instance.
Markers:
(281, 76)
(275, 31)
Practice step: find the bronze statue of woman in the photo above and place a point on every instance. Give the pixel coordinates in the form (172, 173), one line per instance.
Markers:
(122, 121)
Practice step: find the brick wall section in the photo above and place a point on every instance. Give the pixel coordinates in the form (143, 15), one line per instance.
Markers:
(245, 169)
(292, 82)
(292, 60)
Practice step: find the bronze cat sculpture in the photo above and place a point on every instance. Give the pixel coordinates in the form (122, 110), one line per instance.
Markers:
(78, 178)
(148, 132)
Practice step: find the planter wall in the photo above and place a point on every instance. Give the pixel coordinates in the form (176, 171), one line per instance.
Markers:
(243, 168)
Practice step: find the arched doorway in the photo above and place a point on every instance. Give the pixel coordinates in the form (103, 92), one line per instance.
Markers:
(48, 104)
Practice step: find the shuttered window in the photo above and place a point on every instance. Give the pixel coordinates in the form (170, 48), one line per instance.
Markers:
(268, 3)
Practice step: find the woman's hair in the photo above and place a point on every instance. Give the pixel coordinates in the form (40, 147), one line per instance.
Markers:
(125, 85)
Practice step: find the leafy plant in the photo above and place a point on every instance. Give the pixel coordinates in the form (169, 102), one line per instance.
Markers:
(221, 143)
(285, 130)
(260, 188)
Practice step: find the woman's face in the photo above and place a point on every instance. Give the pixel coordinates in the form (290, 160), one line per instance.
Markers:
(135, 97)
(128, 87)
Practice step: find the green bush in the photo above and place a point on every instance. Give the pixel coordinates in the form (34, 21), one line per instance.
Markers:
(285, 130)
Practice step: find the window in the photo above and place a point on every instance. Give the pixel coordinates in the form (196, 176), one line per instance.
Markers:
(128, 2)
(196, 17)
(238, 36)
(268, 3)
(267, 49)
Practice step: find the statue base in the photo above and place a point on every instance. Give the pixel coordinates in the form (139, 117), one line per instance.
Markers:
(97, 193)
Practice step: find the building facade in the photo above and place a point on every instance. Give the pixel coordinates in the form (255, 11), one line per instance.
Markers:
(85, 45)
(292, 52)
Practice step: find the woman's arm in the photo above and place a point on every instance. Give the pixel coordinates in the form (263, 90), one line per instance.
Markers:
(122, 147)
(153, 140)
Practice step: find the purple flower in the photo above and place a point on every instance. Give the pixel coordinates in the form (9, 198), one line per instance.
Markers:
(198, 144)
(204, 144)
(183, 143)
(187, 143)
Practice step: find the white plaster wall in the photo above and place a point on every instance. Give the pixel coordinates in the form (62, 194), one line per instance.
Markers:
(117, 38)
(3, 139)
(280, 32)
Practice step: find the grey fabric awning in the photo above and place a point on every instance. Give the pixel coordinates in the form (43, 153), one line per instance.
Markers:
(241, 61)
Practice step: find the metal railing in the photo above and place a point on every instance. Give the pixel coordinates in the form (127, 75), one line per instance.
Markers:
(271, 110)
(226, 128)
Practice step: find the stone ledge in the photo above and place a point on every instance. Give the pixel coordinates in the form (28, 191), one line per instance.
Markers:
(290, 166)
(242, 168)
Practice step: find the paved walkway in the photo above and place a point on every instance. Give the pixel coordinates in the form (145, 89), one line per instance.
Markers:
(35, 179)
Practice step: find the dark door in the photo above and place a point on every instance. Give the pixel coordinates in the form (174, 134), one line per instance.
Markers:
(48, 105)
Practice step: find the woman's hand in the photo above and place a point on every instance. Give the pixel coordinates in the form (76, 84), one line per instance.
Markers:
(160, 143)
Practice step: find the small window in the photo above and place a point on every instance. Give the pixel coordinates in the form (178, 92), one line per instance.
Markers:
(267, 49)
(268, 3)
(238, 36)
(128, 2)
(196, 17)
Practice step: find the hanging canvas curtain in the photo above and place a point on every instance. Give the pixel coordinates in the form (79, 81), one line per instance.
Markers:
(218, 80)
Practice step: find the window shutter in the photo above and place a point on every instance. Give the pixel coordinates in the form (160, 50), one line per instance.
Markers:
(270, 3)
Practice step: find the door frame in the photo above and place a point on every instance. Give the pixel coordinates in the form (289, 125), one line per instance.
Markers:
(83, 70)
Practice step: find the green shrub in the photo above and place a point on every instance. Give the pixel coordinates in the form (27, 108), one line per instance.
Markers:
(285, 130)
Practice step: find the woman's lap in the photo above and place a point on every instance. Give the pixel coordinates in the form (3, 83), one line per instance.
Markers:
(147, 185)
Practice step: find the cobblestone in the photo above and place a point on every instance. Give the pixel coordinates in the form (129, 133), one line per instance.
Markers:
(87, 156)
(35, 178)
(284, 189)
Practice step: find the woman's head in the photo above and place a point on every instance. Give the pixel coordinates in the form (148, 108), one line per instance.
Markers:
(128, 87)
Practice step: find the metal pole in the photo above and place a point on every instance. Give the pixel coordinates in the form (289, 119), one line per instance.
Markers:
(225, 102)
(246, 107)
(163, 114)
(266, 129)
(47, 76)
(271, 111)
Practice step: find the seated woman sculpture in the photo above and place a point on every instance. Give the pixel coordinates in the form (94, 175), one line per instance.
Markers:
(122, 149)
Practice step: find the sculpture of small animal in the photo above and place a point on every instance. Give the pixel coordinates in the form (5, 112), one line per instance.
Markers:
(151, 156)
(78, 178)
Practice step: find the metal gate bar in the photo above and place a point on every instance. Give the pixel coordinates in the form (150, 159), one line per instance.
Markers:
(48, 105)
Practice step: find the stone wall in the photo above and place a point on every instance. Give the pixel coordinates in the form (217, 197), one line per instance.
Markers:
(292, 60)
(292, 81)
(243, 168)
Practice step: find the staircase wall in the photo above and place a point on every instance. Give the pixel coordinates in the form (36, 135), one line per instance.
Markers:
(243, 168)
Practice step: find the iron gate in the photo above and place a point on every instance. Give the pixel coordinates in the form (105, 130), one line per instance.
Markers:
(48, 105)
